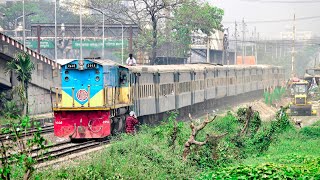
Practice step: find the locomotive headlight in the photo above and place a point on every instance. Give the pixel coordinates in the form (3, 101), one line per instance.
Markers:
(97, 72)
(97, 78)
(66, 72)
(66, 78)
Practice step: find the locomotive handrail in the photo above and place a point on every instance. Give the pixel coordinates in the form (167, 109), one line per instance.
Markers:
(72, 96)
(88, 95)
(57, 97)
(109, 94)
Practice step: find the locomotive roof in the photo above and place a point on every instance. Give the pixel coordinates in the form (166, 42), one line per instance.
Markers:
(103, 62)
(106, 62)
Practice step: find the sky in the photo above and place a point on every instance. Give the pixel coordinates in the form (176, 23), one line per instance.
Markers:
(269, 10)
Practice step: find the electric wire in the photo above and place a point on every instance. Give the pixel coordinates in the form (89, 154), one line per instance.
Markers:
(277, 21)
(284, 2)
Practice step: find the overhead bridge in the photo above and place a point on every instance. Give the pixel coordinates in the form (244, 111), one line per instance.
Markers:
(45, 75)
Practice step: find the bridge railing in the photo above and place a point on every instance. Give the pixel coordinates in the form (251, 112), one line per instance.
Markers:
(19, 46)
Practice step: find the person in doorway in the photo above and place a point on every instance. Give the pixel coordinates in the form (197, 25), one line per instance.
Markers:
(131, 61)
(131, 121)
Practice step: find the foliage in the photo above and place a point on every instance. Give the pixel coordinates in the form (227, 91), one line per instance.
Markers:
(43, 13)
(10, 109)
(148, 155)
(311, 131)
(151, 14)
(309, 170)
(275, 95)
(23, 67)
(195, 17)
(16, 156)
(170, 129)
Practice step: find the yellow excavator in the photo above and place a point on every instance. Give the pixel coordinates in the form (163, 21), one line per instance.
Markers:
(300, 104)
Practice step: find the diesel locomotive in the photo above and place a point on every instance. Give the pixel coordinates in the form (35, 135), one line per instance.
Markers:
(96, 95)
(93, 99)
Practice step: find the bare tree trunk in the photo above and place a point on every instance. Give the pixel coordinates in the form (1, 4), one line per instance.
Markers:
(192, 139)
(27, 99)
(249, 115)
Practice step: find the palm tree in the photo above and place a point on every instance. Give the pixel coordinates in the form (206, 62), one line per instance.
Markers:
(23, 67)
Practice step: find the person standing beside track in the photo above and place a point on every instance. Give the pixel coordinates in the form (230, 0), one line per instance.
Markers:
(131, 121)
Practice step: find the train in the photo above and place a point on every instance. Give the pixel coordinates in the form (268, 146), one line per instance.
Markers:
(96, 94)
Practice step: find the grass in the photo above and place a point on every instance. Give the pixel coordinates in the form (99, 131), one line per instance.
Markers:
(148, 155)
(144, 156)
(292, 144)
(294, 155)
(3, 121)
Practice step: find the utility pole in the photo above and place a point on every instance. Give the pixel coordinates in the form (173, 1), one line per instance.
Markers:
(243, 34)
(256, 51)
(208, 49)
(253, 41)
(276, 50)
(227, 47)
(225, 53)
(24, 28)
(55, 32)
(80, 31)
(293, 44)
(236, 37)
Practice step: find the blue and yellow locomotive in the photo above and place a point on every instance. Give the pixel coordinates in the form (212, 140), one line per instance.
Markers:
(93, 100)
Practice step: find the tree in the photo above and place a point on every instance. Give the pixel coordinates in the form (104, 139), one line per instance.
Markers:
(193, 17)
(159, 20)
(23, 67)
(153, 11)
(43, 13)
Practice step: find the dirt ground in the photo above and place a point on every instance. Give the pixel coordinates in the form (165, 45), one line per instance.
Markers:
(268, 112)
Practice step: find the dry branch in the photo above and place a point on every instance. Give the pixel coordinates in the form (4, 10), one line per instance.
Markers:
(249, 115)
(194, 131)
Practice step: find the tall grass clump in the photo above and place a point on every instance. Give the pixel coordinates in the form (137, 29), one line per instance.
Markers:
(312, 131)
(275, 95)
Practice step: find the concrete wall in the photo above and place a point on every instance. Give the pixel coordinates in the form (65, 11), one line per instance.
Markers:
(45, 75)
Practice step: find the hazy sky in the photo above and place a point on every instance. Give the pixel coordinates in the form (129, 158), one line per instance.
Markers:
(269, 10)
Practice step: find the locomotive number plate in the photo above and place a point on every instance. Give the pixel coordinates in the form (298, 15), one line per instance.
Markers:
(91, 65)
(71, 66)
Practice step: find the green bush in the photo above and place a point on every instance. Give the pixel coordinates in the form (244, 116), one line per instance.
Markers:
(311, 131)
(309, 170)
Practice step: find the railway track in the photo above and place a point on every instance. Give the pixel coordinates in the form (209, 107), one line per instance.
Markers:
(29, 132)
(54, 151)
(64, 149)
(60, 150)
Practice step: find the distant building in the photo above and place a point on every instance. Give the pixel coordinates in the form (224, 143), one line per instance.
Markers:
(300, 35)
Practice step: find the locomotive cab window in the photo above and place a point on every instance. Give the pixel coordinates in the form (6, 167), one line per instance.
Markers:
(123, 77)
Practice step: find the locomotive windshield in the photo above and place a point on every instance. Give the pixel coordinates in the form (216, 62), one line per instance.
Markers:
(300, 88)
